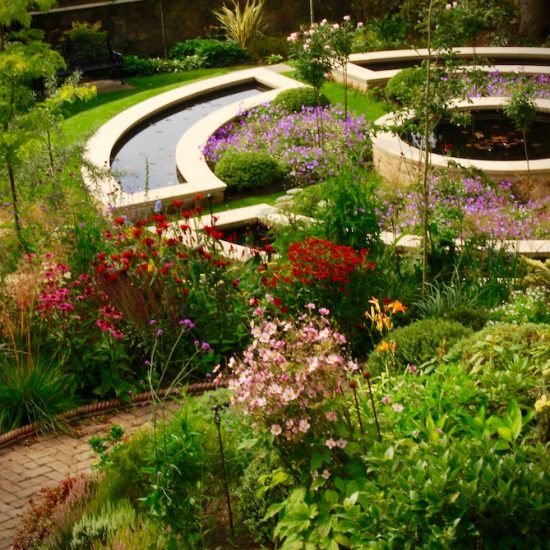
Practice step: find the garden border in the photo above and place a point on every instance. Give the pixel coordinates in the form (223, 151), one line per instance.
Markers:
(102, 406)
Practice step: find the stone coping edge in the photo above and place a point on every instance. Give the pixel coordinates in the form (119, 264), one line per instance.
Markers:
(102, 406)
(104, 188)
(362, 76)
(394, 146)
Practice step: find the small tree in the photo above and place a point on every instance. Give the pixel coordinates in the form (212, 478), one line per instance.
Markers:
(24, 121)
(521, 109)
(313, 55)
(342, 36)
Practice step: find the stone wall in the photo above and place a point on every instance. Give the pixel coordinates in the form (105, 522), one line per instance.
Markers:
(135, 27)
(401, 172)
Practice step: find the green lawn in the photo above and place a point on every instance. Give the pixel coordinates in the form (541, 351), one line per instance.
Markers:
(269, 198)
(359, 103)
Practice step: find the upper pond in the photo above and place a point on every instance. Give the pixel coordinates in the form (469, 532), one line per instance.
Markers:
(145, 157)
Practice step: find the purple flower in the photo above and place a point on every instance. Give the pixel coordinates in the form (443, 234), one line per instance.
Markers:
(205, 346)
(187, 323)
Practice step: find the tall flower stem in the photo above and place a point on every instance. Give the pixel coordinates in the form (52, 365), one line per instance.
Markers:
(217, 421)
(367, 375)
(353, 386)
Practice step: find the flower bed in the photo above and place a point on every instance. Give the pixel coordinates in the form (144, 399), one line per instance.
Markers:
(469, 207)
(310, 146)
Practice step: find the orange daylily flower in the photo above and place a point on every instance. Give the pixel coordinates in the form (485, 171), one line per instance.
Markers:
(396, 307)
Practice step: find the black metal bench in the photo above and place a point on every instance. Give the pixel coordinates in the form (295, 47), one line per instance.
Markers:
(91, 60)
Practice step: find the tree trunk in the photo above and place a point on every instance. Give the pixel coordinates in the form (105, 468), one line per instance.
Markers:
(534, 18)
(15, 204)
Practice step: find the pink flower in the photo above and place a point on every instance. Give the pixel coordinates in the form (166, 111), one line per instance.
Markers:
(310, 306)
(330, 443)
(331, 416)
(386, 399)
(276, 429)
(411, 368)
(397, 407)
(342, 443)
(325, 474)
(347, 17)
(304, 425)
(324, 311)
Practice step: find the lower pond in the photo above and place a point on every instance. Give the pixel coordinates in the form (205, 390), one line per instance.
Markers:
(145, 157)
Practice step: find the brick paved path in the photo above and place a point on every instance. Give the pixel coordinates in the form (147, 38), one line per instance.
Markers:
(28, 465)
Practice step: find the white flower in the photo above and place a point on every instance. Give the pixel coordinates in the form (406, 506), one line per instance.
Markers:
(276, 429)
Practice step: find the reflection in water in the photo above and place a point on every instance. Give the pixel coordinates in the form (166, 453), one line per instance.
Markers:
(147, 157)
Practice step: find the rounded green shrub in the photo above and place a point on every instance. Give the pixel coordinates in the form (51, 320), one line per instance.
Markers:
(246, 170)
(402, 87)
(417, 343)
(295, 99)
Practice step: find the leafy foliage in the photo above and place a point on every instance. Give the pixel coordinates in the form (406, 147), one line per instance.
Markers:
(134, 65)
(214, 53)
(295, 99)
(247, 170)
(241, 24)
(416, 344)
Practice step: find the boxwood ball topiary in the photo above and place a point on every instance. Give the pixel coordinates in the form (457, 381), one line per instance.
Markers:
(417, 343)
(245, 170)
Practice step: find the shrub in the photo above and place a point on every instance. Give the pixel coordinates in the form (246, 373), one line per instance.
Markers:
(125, 473)
(264, 47)
(404, 85)
(216, 53)
(134, 65)
(295, 99)
(508, 361)
(52, 514)
(92, 529)
(416, 344)
(525, 306)
(247, 170)
(85, 44)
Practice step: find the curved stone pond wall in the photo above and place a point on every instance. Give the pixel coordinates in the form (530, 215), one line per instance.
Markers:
(401, 164)
(363, 73)
(190, 162)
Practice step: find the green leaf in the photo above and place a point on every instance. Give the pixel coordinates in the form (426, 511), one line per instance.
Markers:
(505, 433)
(514, 413)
